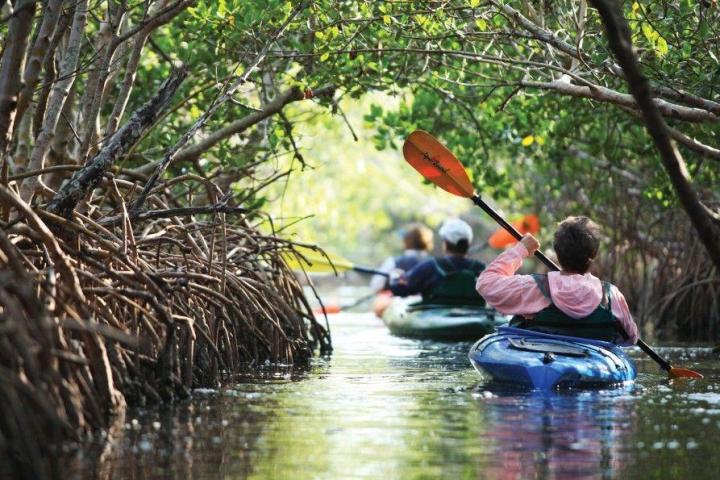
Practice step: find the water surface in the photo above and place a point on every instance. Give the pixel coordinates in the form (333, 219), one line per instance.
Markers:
(387, 407)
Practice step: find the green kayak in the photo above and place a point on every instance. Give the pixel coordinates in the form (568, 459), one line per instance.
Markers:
(407, 317)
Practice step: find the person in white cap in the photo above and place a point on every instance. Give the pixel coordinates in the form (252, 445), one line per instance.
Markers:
(446, 280)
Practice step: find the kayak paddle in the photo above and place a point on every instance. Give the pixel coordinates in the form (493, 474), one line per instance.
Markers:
(438, 165)
(312, 260)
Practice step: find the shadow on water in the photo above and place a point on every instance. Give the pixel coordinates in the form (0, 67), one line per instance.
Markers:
(387, 407)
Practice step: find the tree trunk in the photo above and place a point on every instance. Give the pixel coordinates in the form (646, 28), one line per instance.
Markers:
(127, 84)
(40, 49)
(12, 63)
(59, 94)
(89, 105)
(130, 72)
(619, 39)
(49, 73)
(59, 148)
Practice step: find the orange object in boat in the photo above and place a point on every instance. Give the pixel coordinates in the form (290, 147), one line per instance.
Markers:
(501, 238)
(382, 301)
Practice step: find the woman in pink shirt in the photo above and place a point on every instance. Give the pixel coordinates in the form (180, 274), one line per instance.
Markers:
(572, 301)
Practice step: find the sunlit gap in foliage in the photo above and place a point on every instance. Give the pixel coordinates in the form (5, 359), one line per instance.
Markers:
(350, 197)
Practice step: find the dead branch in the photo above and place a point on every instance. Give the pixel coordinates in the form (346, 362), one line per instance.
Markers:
(121, 141)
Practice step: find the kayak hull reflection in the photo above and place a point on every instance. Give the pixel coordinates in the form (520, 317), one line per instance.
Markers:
(543, 361)
(406, 317)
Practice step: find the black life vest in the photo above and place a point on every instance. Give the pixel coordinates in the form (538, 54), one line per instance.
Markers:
(457, 286)
(601, 324)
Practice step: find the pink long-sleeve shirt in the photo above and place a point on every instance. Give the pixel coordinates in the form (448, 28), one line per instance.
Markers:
(576, 295)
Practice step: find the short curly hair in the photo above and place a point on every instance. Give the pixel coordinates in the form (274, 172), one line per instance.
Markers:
(577, 243)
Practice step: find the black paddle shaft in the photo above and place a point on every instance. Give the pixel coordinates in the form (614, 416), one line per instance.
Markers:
(370, 271)
(664, 364)
(512, 230)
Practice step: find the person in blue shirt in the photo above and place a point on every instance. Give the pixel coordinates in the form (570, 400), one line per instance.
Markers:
(417, 243)
(446, 280)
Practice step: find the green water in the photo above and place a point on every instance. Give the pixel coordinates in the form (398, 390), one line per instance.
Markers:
(385, 407)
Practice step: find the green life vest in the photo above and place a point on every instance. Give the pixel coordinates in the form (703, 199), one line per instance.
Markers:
(601, 324)
(457, 286)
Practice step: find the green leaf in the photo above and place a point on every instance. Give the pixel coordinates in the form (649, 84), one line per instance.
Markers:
(649, 32)
(195, 112)
(662, 46)
(646, 29)
(474, 3)
(481, 24)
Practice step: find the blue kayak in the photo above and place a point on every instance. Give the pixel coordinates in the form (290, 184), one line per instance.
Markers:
(544, 361)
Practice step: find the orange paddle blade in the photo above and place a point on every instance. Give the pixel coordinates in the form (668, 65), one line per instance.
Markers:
(327, 309)
(437, 164)
(501, 238)
(676, 372)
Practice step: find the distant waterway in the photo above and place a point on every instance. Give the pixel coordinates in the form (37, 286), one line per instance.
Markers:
(393, 408)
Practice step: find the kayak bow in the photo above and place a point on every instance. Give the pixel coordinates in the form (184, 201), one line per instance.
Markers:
(544, 362)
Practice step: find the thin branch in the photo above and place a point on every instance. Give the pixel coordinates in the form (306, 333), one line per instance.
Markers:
(227, 93)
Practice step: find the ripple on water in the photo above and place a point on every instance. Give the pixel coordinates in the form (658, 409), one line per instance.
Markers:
(386, 407)
(709, 397)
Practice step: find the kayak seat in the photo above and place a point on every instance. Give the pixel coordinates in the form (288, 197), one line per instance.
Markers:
(548, 347)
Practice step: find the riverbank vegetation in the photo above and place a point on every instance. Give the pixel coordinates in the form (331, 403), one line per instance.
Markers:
(138, 141)
(535, 103)
(127, 277)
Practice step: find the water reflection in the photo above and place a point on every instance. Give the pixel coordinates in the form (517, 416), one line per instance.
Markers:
(214, 436)
(557, 435)
(386, 407)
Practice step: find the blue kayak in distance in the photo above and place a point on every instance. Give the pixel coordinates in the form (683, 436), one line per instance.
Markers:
(544, 361)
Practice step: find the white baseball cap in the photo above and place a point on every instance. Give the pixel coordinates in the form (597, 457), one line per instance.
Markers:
(453, 230)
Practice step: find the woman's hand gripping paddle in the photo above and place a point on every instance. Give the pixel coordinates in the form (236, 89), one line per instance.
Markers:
(437, 164)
